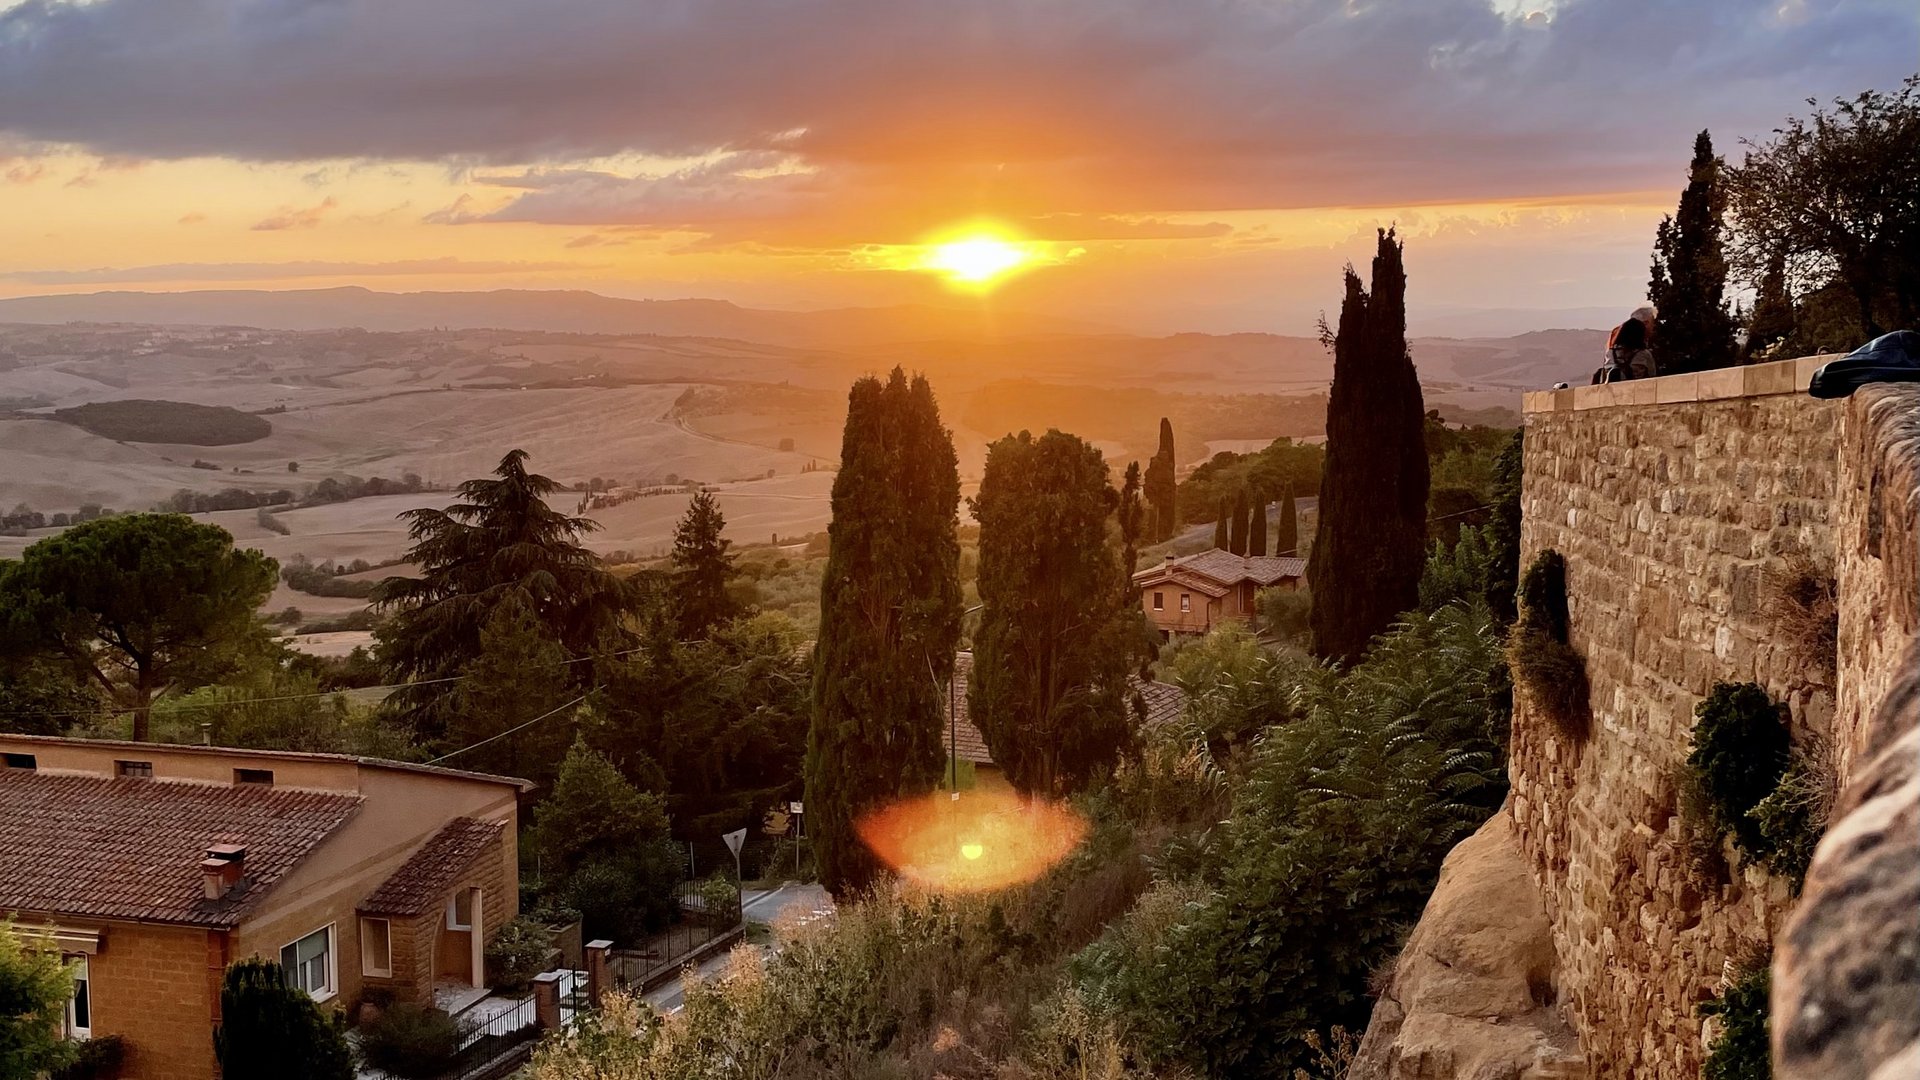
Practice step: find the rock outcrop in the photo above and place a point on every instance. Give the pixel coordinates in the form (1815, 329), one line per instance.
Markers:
(1472, 995)
(1846, 977)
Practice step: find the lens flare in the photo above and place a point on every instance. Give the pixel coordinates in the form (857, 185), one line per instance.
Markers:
(986, 840)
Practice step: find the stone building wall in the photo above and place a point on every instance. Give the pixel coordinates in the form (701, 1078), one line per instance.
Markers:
(1671, 500)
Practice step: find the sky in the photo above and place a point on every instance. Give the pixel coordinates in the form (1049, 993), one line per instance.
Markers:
(1162, 164)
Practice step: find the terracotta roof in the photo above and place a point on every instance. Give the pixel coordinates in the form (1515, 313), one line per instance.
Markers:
(1164, 702)
(1230, 569)
(112, 848)
(421, 883)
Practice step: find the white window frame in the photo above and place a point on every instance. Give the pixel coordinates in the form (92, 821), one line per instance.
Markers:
(1159, 601)
(82, 985)
(453, 909)
(367, 966)
(333, 961)
(1186, 601)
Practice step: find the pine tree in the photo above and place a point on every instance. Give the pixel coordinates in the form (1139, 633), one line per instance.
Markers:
(1772, 321)
(1370, 544)
(501, 539)
(1237, 525)
(1222, 535)
(271, 1030)
(1689, 279)
(702, 570)
(889, 620)
(1257, 526)
(1162, 486)
(1287, 540)
(1051, 658)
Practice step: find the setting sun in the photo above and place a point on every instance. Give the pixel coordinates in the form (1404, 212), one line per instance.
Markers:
(977, 259)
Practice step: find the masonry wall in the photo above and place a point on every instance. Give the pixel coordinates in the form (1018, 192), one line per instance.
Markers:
(1672, 500)
(157, 987)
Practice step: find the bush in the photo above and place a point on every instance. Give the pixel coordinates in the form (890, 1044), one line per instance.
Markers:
(135, 420)
(1285, 613)
(516, 953)
(718, 899)
(266, 519)
(1742, 1050)
(1545, 666)
(1740, 752)
(271, 1030)
(95, 1059)
(1803, 602)
(1792, 818)
(411, 1041)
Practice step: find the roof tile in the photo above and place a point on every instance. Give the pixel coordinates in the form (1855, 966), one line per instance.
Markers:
(421, 883)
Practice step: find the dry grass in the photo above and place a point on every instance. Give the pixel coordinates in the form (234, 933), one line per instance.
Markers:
(1802, 600)
(1552, 678)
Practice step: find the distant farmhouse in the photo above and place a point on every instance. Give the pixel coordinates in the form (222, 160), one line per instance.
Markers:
(151, 868)
(1163, 702)
(1195, 593)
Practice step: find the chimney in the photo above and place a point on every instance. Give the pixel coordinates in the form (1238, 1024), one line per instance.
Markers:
(1169, 561)
(221, 870)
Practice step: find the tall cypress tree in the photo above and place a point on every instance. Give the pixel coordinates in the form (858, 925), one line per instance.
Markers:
(1257, 525)
(1772, 320)
(702, 569)
(1689, 280)
(1287, 540)
(1370, 544)
(1162, 487)
(1132, 518)
(889, 620)
(1222, 536)
(1052, 656)
(1237, 525)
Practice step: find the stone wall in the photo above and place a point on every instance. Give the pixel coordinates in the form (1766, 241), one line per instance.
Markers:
(1675, 502)
(1878, 543)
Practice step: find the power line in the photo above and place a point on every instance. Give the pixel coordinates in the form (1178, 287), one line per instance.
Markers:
(509, 731)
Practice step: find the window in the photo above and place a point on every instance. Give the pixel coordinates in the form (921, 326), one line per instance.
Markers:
(376, 948)
(309, 963)
(19, 761)
(253, 776)
(460, 910)
(79, 1020)
(1159, 601)
(1186, 601)
(134, 768)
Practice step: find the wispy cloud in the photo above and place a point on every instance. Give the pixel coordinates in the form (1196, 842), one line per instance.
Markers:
(269, 271)
(297, 217)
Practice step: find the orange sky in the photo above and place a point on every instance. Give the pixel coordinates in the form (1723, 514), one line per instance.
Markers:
(1205, 168)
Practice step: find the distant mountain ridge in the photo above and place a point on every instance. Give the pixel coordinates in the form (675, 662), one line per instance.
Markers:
(558, 311)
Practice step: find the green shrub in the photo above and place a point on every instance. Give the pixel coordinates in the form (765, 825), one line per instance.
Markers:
(1285, 613)
(94, 1059)
(1698, 837)
(411, 1041)
(1793, 816)
(1740, 752)
(271, 1030)
(718, 900)
(1743, 1049)
(516, 953)
(1545, 667)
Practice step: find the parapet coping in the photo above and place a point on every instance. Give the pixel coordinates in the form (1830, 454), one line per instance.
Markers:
(1752, 380)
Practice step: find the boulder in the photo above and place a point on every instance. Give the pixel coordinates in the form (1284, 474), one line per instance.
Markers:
(1846, 970)
(1471, 997)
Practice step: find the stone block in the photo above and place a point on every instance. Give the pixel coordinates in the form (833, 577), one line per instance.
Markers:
(1774, 378)
(1721, 383)
(1676, 389)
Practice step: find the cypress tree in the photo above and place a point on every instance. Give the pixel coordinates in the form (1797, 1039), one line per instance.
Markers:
(889, 620)
(1237, 525)
(1221, 537)
(1689, 279)
(1772, 321)
(1257, 526)
(270, 1029)
(702, 570)
(1048, 689)
(1370, 545)
(1287, 540)
(1131, 516)
(1162, 487)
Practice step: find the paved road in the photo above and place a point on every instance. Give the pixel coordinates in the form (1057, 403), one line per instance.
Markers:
(762, 906)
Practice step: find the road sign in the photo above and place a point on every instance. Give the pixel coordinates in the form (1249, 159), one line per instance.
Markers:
(734, 839)
(794, 807)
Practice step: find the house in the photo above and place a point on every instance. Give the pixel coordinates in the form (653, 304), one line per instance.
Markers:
(1195, 593)
(153, 867)
(1164, 703)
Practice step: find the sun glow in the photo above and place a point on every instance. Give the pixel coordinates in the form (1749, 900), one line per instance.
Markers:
(977, 260)
(975, 257)
(986, 840)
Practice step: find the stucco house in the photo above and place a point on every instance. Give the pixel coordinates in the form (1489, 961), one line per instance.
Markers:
(153, 867)
(1195, 593)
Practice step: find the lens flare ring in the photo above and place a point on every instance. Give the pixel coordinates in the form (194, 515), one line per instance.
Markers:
(985, 841)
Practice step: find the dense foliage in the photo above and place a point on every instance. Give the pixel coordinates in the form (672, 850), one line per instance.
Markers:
(702, 569)
(1051, 658)
(1210, 489)
(1545, 666)
(271, 1030)
(1370, 544)
(1689, 278)
(139, 605)
(34, 987)
(1743, 1047)
(1740, 751)
(604, 849)
(501, 541)
(1162, 488)
(889, 619)
(143, 421)
(410, 1040)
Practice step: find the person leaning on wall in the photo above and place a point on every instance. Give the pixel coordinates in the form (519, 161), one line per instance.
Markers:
(1630, 348)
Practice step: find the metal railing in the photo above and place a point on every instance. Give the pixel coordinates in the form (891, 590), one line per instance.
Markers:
(666, 952)
(475, 1023)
